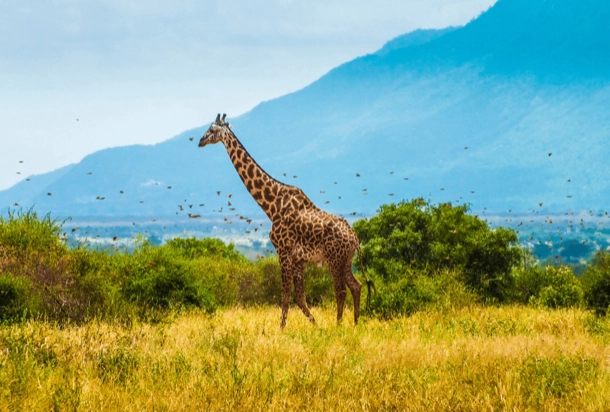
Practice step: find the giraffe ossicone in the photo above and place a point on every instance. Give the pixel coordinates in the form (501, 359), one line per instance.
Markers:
(300, 232)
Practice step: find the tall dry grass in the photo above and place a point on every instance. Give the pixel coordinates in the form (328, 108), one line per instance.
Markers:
(477, 358)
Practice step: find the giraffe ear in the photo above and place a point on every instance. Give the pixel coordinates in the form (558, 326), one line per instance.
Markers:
(224, 116)
(218, 119)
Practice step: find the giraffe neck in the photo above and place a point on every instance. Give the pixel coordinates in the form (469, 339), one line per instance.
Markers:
(262, 187)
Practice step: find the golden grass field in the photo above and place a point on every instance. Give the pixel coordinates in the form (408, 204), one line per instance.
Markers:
(477, 358)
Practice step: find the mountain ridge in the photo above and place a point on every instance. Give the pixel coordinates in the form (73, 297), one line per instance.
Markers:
(529, 112)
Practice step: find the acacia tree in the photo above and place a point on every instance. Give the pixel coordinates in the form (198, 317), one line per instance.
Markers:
(427, 237)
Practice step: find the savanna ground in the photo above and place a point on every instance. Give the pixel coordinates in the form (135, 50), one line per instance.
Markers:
(473, 358)
(463, 318)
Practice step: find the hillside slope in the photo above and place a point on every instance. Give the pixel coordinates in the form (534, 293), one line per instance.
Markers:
(507, 112)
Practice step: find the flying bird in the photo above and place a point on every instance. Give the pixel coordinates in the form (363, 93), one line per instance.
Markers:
(191, 139)
(194, 216)
(218, 192)
(357, 174)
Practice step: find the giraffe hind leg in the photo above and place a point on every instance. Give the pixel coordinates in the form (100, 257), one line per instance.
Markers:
(336, 272)
(355, 287)
(340, 294)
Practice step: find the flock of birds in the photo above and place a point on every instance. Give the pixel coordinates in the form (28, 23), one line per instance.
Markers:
(251, 225)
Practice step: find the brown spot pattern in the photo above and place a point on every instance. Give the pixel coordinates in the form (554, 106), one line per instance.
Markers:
(300, 232)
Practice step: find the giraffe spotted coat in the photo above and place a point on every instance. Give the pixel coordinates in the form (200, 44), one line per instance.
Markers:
(300, 232)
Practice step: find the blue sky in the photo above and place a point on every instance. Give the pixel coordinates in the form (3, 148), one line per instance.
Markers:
(143, 71)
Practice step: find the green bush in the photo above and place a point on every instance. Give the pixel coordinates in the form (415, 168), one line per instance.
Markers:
(422, 236)
(160, 278)
(261, 283)
(558, 288)
(547, 286)
(596, 282)
(23, 232)
(192, 248)
(15, 299)
(416, 291)
(319, 286)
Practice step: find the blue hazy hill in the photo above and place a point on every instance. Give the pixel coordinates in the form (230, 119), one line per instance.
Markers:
(500, 113)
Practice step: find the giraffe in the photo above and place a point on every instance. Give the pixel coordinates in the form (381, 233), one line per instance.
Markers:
(300, 232)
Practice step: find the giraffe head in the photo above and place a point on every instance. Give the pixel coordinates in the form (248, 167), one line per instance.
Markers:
(219, 131)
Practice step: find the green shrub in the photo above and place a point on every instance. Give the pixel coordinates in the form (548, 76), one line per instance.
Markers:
(550, 286)
(416, 291)
(192, 248)
(23, 232)
(422, 236)
(261, 283)
(596, 282)
(560, 288)
(270, 281)
(160, 278)
(319, 286)
(15, 299)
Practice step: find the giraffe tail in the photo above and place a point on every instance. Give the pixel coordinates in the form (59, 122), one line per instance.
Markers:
(369, 283)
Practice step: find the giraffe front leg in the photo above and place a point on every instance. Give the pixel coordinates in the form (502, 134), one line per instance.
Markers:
(285, 299)
(286, 268)
(299, 291)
